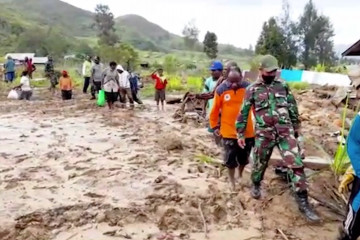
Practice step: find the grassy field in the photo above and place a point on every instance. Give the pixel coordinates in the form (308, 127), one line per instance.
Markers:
(178, 83)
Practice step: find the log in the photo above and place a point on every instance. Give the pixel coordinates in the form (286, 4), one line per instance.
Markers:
(311, 162)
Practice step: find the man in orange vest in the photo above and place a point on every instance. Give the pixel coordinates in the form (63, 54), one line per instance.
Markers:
(229, 97)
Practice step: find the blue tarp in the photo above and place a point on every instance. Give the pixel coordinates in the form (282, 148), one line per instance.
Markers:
(291, 75)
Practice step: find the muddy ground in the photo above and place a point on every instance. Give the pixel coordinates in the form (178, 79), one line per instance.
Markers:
(73, 171)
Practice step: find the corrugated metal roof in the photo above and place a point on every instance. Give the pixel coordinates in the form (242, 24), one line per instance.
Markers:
(20, 56)
(354, 50)
(40, 60)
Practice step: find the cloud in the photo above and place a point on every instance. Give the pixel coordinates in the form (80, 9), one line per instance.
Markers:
(236, 22)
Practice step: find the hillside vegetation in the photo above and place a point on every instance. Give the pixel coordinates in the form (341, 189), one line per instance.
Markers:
(57, 28)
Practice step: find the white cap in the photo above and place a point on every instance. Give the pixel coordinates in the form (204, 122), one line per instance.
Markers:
(119, 67)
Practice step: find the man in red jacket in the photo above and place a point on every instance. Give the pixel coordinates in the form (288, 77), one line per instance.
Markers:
(160, 86)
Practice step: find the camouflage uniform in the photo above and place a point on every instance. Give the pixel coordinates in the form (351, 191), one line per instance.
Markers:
(50, 74)
(277, 119)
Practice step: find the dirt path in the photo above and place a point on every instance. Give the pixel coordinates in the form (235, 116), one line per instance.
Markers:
(70, 171)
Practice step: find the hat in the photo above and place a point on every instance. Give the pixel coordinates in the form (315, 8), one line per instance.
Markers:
(64, 73)
(269, 63)
(216, 65)
(119, 67)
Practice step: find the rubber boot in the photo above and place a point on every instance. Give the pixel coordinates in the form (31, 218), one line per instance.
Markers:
(256, 191)
(305, 208)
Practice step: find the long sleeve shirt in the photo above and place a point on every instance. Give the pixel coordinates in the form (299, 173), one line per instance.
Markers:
(86, 69)
(275, 109)
(353, 145)
(160, 82)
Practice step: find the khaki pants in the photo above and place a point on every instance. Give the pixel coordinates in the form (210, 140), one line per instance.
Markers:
(126, 92)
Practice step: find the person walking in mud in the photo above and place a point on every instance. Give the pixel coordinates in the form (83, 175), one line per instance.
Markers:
(9, 69)
(229, 97)
(216, 69)
(351, 225)
(66, 86)
(86, 72)
(125, 87)
(277, 124)
(134, 84)
(50, 74)
(96, 77)
(160, 87)
(110, 84)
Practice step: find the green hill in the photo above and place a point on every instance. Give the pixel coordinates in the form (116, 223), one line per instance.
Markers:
(24, 24)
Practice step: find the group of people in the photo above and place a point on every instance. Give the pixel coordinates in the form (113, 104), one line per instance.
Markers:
(10, 68)
(269, 104)
(117, 83)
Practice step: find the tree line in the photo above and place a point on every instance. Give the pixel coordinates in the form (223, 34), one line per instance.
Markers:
(307, 42)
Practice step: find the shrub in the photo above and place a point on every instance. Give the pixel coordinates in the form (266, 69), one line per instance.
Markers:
(299, 85)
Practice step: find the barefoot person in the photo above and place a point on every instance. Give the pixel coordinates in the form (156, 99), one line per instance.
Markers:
(351, 226)
(86, 72)
(229, 97)
(111, 85)
(160, 87)
(125, 87)
(96, 77)
(66, 86)
(277, 124)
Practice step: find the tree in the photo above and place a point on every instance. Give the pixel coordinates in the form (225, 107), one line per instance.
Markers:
(105, 24)
(288, 29)
(170, 63)
(44, 42)
(191, 34)
(210, 45)
(315, 34)
(121, 53)
(271, 41)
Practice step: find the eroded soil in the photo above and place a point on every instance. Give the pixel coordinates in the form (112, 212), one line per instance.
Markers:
(73, 171)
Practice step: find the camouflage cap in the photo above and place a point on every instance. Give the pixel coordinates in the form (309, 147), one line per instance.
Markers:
(269, 63)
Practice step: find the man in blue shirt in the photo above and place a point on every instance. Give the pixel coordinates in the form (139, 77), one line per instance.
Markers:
(351, 227)
(9, 69)
(216, 69)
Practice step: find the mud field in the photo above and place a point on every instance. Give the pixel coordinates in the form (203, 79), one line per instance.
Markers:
(71, 171)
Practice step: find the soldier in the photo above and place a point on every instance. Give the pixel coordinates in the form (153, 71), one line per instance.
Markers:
(277, 124)
(50, 74)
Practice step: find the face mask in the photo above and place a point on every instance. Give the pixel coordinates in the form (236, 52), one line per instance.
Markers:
(268, 79)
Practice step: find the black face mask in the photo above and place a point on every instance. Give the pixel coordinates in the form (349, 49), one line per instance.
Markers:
(234, 86)
(268, 79)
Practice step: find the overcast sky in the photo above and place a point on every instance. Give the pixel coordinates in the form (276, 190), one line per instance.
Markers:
(237, 22)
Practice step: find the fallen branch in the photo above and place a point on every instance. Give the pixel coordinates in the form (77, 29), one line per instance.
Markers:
(282, 234)
(204, 221)
(330, 206)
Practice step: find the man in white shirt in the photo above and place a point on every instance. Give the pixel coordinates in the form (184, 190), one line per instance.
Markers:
(125, 87)
(26, 91)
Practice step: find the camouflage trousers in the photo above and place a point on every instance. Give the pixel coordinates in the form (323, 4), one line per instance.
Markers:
(290, 154)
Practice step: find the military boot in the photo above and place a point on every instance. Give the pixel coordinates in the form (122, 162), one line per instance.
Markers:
(305, 208)
(282, 173)
(256, 191)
